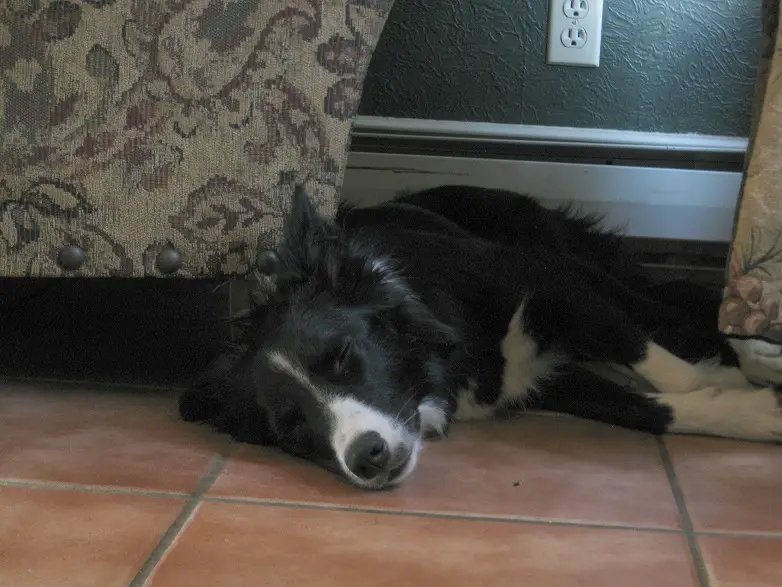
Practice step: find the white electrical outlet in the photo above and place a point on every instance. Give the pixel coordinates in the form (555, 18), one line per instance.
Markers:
(576, 8)
(574, 37)
(574, 32)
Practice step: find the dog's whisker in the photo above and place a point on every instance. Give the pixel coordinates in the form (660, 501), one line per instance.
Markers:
(410, 397)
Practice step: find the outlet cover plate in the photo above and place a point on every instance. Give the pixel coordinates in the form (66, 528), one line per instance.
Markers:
(559, 25)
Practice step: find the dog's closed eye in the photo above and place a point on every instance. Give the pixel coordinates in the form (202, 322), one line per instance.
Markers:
(339, 363)
(342, 359)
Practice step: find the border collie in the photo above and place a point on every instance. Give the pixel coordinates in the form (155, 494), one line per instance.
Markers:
(389, 322)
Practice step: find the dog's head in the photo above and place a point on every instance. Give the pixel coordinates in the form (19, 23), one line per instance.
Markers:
(348, 356)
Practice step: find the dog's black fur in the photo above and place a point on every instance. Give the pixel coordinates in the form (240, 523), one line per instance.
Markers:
(403, 306)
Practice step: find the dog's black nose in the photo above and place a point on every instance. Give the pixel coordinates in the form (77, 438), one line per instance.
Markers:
(367, 456)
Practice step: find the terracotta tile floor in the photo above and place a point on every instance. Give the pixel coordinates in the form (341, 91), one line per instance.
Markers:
(104, 486)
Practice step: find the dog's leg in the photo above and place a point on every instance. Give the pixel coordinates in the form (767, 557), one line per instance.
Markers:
(581, 392)
(586, 327)
(552, 328)
(747, 414)
(436, 415)
(670, 374)
(710, 399)
(223, 397)
(699, 398)
(203, 401)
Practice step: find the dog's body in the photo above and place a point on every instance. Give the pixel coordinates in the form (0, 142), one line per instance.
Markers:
(459, 303)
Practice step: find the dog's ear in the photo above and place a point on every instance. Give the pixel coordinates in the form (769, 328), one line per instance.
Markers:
(223, 397)
(307, 236)
(372, 283)
(422, 325)
(303, 216)
(411, 319)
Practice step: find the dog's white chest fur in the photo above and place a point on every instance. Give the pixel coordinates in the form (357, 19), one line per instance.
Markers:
(524, 368)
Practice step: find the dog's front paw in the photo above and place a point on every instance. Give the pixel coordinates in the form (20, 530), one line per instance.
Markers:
(435, 418)
(744, 414)
(761, 362)
(197, 405)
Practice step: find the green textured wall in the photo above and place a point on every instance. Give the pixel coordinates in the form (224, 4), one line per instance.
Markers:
(666, 66)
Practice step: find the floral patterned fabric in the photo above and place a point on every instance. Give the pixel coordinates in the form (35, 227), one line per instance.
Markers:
(129, 126)
(753, 295)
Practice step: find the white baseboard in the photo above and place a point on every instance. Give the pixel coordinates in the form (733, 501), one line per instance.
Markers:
(454, 130)
(648, 202)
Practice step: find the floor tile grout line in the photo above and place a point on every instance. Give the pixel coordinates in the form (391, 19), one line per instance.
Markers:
(437, 515)
(165, 543)
(93, 383)
(684, 515)
(107, 490)
(740, 534)
(86, 488)
(180, 523)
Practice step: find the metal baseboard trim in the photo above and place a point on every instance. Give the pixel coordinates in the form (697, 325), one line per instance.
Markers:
(378, 126)
(566, 144)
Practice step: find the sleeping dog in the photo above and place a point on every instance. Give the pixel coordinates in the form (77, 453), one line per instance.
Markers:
(390, 322)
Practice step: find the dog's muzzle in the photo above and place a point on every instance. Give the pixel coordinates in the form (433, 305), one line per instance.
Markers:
(373, 464)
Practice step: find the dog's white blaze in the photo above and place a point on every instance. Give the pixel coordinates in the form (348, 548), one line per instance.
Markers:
(749, 414)
(351, 418)
(433, 416)
(524, 366)
(283, 364)
(670, 374)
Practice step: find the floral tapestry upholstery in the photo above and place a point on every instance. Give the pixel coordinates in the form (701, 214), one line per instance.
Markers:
(753, 294)
(134, 127)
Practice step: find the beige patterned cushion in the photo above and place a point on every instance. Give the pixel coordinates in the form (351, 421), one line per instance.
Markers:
(132, 126)
(752, 301)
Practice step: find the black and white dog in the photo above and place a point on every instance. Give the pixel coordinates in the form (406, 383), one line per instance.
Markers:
(390, 322)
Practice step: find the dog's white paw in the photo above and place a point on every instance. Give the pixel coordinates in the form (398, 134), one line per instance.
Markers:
(722, 377)
(761, 362)
(435, 420)
(746, 414)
